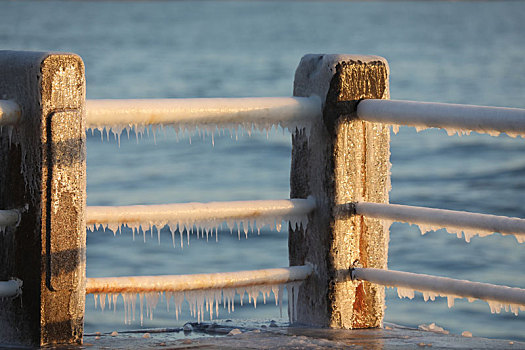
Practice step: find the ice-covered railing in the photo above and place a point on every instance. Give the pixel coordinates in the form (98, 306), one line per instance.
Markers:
(454, 118)
(205, 117)
(201, 291)
(498, 297)
(456, 222)
(460, 119)
(206, 217)
(202, 115)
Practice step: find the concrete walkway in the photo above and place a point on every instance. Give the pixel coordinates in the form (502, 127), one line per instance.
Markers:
(273, 336)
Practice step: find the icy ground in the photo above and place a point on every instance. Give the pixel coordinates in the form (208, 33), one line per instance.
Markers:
(253, 334)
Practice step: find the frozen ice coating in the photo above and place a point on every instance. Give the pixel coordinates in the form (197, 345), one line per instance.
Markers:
(455, 222)
(202, 132)
(203, 218)
(202, 116)
(433, 328)
(11, 288)
(203, 292)
(202, 304)
(498, 297)
(454, 118)
(9, 218)
(9, 113)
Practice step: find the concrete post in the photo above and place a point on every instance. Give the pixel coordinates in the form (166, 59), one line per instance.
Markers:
(42, 162)
(344, 160)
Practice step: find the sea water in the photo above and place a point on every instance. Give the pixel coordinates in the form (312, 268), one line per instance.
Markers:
(437, 51)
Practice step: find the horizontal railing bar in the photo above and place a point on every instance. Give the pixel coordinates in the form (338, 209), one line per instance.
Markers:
(181, 283)
(455, 117)
(199, 211)
(442, 217)
(9, 217)
(441, 285)
(201, 111)
(9, 112)
(11, 288)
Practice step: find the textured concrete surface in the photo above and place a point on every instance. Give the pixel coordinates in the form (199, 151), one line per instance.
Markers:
(269, 336)
(344, 160)
(43, 171)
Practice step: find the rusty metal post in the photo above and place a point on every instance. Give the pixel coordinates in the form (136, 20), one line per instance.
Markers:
(42, 162)
(344, 160)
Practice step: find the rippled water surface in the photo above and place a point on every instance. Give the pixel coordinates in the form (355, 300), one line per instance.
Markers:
(438, 51)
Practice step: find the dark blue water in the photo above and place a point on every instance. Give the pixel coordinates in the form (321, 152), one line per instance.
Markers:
(438, 51)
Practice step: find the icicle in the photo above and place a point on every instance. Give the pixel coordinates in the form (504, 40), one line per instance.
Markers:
(450, 301)
(141, 299)
(395, 129)
(114, 299)
(280, 297)
(102, 301)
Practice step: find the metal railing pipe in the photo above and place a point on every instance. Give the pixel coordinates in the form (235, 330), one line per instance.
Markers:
(202, 111)
(9, 112)
(9, 217)
(199, 211)
(10, 289)
(453, 117)
(443, 218)
(441, 285)
(182, 283)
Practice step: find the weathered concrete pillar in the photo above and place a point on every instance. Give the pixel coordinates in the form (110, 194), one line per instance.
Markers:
(42, 169)
(344, 160)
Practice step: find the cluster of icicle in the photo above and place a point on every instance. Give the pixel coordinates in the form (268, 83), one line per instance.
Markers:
(202, 131)
(495, 306)
(461, 132)
(460, 232)
(463, 233)
(201, 302)
(206, 228)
